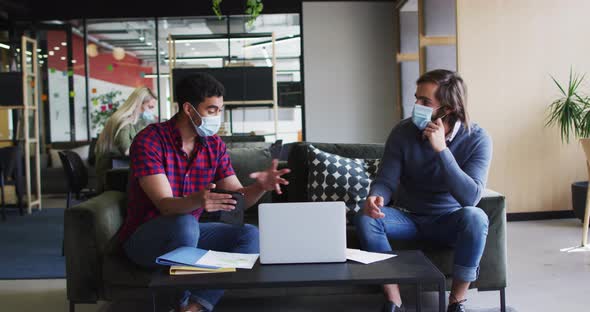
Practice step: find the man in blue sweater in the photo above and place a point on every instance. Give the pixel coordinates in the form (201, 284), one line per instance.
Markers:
(433, 173)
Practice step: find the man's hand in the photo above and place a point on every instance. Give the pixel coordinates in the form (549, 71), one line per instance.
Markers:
(270, 179)
(435, 133)
(212, 202)
(373, 207)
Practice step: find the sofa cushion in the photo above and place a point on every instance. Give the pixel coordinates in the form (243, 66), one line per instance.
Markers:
(246, 160)
(338, 178)
(298, 163)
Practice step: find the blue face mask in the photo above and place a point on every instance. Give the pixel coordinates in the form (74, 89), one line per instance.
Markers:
(209, 125)
(147, 115)
(421, 116)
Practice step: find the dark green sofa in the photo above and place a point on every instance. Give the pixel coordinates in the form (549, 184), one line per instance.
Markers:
(97, 270)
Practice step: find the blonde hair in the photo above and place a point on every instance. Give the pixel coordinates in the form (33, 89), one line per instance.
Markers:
(126, 114)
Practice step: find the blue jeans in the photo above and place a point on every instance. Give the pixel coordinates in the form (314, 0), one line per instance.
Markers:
(166, 233)
(464, 229)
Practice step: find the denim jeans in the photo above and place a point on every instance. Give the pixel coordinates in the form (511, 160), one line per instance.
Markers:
(166, 233)
(464, 229)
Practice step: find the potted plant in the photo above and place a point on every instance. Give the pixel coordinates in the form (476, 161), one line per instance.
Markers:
(571, 113)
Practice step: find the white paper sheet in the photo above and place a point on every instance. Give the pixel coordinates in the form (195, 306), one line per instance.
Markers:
(228, 260)
(366, 257)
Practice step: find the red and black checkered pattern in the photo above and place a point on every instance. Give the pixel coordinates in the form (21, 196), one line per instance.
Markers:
(157, 149)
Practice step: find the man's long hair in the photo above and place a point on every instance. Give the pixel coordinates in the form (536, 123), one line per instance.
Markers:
(451, 94)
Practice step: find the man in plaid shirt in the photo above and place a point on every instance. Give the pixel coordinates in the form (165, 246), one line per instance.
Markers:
(174, 165)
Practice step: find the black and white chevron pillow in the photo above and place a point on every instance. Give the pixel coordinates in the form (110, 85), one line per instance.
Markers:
(336, 178)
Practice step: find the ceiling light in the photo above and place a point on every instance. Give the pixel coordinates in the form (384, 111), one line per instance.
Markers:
(148, 43)
(92, 50)
(17, 50)
(118, 53)
(142, 38)
(187, 44)
(56, 48)
(45, 55)
(51, 53)
(73, 61)
(192, 49)
(63, 58)
(63, 43)
(38, 50)
(4, 46)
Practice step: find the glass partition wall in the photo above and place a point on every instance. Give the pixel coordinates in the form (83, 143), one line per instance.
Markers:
(212, 42)
(89, 67)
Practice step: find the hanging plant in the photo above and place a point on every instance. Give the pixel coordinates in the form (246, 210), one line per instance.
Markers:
(216, 7)
(253, 9)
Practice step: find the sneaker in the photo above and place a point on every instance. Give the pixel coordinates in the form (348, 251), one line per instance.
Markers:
(457, 306)
(389, 306)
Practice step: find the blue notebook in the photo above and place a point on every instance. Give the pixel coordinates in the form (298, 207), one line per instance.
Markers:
(184, 256)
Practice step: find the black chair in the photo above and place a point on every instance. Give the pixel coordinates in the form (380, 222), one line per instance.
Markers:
(91, 151)
(76, 177)
(12, 173)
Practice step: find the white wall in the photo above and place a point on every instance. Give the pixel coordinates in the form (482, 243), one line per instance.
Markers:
(349, 55)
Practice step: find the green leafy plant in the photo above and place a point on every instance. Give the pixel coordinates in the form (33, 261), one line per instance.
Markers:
(253, 9)
(571, 112)
(105, 105)
(216, 6)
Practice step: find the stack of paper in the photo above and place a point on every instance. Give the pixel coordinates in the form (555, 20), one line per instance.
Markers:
(187, 270)
(366, 257)
(189, 260)
(228, 260)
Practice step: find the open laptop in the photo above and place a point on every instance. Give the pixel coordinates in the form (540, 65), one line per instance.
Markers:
(310, 232)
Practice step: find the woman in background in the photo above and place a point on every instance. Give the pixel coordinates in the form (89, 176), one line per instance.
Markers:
(121, 128)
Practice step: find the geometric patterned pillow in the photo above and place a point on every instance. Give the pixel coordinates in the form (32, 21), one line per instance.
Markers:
(336, 178)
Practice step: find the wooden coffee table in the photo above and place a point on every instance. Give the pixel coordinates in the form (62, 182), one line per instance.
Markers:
(409, 267)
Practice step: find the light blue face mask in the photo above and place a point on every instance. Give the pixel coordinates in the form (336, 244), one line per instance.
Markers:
(147, 115)
(421, 116)
(209, 125)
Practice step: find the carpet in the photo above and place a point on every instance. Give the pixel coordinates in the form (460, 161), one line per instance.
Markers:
(30, 245)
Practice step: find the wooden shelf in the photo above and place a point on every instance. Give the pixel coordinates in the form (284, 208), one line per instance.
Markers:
(18, 140)
(174, 40)
(17, 107)
(244, 103)
(30, 80)
(234, 106)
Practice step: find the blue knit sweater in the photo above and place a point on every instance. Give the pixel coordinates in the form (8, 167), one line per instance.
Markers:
(418, 179)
